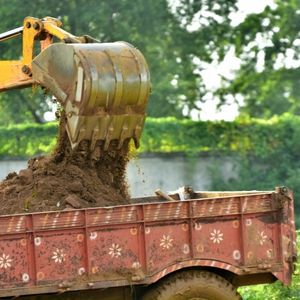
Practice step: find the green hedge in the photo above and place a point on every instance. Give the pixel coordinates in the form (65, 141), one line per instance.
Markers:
(26, 140)
(253, 136)
(262, 138)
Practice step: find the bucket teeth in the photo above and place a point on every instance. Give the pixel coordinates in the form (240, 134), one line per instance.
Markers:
(113, 128)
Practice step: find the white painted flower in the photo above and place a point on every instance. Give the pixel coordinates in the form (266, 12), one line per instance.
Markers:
(25, 277)
(136, 265)
(58, 255)
(270, 253)
(93, 235)
(37, 241)
(236, 255)
(81, 271)
(186, 249)
(115, 250)
(248, 222)
(5, 261)
(166, 242)
(262, 237)
(216, 236)
(198, 226)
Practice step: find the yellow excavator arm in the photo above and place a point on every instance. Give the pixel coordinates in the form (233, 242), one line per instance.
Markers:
(103, 87)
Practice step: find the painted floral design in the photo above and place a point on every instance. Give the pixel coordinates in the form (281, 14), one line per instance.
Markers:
(136, 265)
(216, 236)
(115, 251)
(37, 241)
(262, 237)
(166, 242)
(58, 256)
(236, 255)
(25, 277)
(93, 235)
(81, 271)
(5, 261)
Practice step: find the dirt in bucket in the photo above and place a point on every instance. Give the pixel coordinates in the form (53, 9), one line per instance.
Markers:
(67, 179)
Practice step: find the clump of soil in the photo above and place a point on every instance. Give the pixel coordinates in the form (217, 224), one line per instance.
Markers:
(68, 179)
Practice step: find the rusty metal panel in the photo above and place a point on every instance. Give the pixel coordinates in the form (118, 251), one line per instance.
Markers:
(114, 252)
(288, 239)
(59, 255)
(15, 260)
(112, 215)
(261, 240)
(55, 220)
(219, 240)
(166, 244)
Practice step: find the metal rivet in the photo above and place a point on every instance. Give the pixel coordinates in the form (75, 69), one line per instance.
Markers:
(36, 26)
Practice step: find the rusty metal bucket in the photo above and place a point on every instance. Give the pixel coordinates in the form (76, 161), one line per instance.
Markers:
(104, 89)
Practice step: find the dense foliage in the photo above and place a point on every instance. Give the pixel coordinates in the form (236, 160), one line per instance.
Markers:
(278, 137)
(22, 141)
(179, 39)
(268, 45)
(149, 25)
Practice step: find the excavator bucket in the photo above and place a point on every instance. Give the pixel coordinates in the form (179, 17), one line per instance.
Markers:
(104, 89)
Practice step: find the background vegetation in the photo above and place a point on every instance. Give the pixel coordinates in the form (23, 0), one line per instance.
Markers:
(180, 39)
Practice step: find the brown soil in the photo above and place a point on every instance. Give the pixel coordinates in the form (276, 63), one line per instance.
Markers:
(67, 179)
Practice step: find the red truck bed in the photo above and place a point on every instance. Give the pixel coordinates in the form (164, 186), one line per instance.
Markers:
(242, 233)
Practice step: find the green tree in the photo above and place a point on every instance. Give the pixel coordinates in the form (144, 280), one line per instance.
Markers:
(157, 28)
(174, 35)
(148, 25)
(268, 44)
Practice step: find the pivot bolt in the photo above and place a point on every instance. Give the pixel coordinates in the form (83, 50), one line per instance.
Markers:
(28, 24)
(26, 70)
(36, 26)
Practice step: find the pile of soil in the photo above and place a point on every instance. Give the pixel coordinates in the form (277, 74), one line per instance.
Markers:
(68, 179)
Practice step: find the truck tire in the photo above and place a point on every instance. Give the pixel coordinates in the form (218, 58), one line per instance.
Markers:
(193, 285)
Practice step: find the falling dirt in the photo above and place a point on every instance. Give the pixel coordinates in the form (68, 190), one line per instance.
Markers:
(67, 179)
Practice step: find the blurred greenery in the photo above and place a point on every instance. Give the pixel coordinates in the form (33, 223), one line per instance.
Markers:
(275, 291)
(259, 138)
(268, 46)
(149, 25)
(179, 39)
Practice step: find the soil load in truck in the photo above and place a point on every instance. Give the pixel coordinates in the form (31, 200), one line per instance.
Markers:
(103, 90)
(67, 179)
